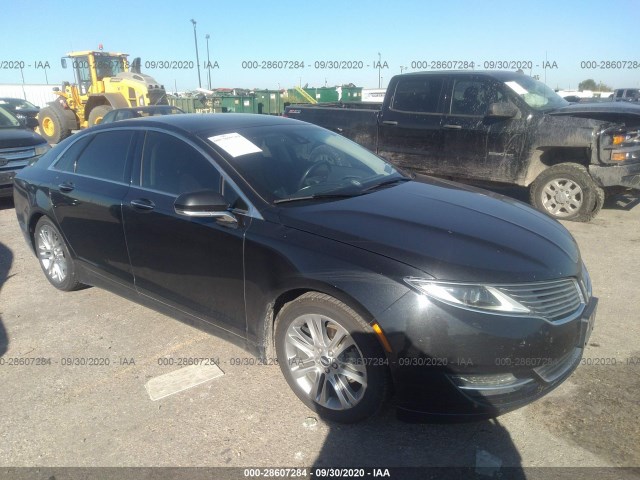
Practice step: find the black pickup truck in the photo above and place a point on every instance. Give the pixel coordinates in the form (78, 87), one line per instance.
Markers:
(496, 127)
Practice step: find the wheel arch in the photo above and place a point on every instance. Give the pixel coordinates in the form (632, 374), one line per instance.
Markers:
(546, 157)
(286, 295)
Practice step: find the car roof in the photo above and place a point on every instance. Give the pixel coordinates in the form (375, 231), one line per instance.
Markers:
(205, 122)
(146, 108)
(502, 75)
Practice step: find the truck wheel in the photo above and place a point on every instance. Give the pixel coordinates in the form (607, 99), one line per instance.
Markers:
(97, 114)
(567, 192)
(52, 126)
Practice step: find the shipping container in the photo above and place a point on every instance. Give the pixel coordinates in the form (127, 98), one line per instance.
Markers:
(268, 102)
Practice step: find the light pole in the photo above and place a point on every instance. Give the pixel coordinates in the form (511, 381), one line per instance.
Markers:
(379, 72)
(195, 39)
(208, 61)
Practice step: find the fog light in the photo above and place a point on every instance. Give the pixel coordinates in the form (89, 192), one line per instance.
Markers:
(618, 157)
(495, 384)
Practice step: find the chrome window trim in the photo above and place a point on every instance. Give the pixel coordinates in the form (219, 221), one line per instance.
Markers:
(252, 212)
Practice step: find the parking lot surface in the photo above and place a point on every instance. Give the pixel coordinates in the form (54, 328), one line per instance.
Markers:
(87, 413)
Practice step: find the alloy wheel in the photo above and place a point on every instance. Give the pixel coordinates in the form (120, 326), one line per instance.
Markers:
(325, 362)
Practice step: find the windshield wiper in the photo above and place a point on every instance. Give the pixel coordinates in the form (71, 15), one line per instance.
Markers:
(385, 183)
(316, 197)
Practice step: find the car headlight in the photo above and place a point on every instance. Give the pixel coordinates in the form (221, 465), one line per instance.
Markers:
(478, 297)
(42, 149)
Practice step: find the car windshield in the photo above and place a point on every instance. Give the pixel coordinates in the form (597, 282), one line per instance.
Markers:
(536, 94)
(7, 120)
(16, 103)
(292, 162)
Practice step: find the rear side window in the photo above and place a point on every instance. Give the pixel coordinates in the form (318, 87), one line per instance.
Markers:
(106, 156)
(67, 162)
(172, 166)
(420, 94)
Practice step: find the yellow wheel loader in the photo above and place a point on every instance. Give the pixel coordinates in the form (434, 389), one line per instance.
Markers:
(103, 81)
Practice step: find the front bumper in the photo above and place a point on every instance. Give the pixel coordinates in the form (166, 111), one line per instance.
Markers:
(616, 175)
(451, 363)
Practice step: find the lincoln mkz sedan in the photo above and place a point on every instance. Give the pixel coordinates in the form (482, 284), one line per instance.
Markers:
(304, 247)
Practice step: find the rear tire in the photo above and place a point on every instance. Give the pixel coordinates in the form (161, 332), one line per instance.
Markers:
(54, 257)
(331, 359)
(52, 125)
(97, 114)
(567, 192)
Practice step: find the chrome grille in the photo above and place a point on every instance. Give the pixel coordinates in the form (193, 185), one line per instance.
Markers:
(19, 153)
(554, 300)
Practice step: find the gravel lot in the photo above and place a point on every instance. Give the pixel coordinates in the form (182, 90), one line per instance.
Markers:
(86, 416)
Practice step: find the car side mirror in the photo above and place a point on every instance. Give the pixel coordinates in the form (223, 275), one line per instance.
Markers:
(204, 203)
(63, 62)
(502, 110)
(32, 122)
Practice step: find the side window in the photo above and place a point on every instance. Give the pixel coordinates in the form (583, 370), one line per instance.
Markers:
(619, 93)
(233, 198)
(172, 166)
(106, 156)
(473, 97)
(420, 94)
(67, 162)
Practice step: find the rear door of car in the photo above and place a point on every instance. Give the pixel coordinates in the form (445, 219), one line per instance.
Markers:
(193, 264)
(410, 134)
(91, 179)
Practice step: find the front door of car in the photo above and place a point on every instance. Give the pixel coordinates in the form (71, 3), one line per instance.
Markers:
(476, 145)
(409, 128)
(194, 264)
(91, 179)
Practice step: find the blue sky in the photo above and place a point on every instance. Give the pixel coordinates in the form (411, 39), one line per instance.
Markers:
(404, 31)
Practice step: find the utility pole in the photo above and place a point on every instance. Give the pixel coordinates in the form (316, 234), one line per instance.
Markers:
(195, 39)
(379, 70)
(208, 61)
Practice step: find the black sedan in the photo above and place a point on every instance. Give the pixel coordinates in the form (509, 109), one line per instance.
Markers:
(25, 111)
(303, 246)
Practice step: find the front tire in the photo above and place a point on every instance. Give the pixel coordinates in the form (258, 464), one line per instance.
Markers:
(331, 359)
(567, 192)
(97, 114)
(54, 257)
(52, 125)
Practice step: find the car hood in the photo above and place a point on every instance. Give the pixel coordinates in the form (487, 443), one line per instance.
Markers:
(449, 231)
(19, 137)
(606, 111)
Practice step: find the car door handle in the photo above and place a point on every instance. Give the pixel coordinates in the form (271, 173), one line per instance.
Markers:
(389, 122)
(142, 204)
(66, 187)
(453, 127)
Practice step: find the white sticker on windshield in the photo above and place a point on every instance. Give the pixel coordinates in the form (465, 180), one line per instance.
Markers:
(516, 87)
(235, 144)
